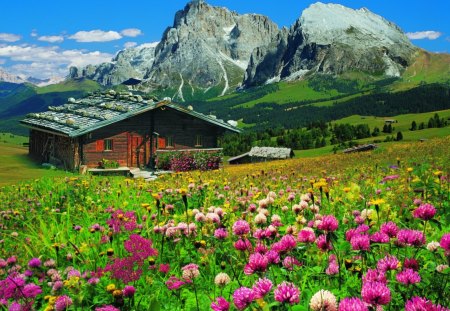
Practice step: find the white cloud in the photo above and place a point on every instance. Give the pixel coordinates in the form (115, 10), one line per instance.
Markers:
(96, 36)
(130, 45)
(51, 39)
(34, 33)
(131, 32)
(9, 37)
(419, 35)
(45, 62)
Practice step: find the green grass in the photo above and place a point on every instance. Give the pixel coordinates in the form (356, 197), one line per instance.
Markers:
(403, 123)
(16, 166)
(70, 85)
(292, 91)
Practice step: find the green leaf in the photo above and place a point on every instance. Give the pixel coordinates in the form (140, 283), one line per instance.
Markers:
(155, 305)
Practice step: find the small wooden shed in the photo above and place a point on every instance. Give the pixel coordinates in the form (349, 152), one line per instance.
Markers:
(120, 127)
(262, 154)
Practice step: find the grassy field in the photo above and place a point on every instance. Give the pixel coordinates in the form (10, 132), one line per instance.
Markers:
(70, 85)
(16, 166)
(403, 122)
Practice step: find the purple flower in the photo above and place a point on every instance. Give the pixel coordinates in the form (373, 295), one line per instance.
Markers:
(374, 275)
(445, 242)
(333, 267)
(376, 293)
(379, 237)
(387, 263)
(360, 242)
(262, 287)
(352, 304)
(409, 237)
(140, 247)
(34, 263)
(390, 228)
(174, 283)
(329, 223)
(62, 303)
(287, 293)
(256, 263)
(241, 227)
(425, 211)
(243, 297)
(221, 233)
(290, 262)
(422, 304)
(107, 308)
(15, 306)
(243, 245)
(129, 291)
(323, 243)
(220, 304)
(408, 276)
(31, 290)
(306, 235)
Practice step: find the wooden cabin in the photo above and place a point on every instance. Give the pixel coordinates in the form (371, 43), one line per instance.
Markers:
(119, 127)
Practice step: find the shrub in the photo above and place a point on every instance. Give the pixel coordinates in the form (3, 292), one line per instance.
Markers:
(182, 161)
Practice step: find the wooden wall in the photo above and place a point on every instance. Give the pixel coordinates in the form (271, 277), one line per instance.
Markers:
(167, 122)
(50, 148)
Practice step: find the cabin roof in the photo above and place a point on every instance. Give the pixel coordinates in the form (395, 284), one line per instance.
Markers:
(271, 152)
(97, 110)
(266, 152)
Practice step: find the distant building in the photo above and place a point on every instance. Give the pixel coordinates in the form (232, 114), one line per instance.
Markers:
(262, 154)
(119, 127)
(360, 148)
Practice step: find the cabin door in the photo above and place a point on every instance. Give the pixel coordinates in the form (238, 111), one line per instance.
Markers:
(136, 157)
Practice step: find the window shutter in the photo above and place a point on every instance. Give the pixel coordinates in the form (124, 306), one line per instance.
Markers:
(100, 145)
(161, 142)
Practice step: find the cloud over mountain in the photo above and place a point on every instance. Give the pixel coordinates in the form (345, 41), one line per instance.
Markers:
(420, 35)
(96, 36)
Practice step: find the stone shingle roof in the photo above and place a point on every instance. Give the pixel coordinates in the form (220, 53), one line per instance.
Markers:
(270, 152)
(82, 116)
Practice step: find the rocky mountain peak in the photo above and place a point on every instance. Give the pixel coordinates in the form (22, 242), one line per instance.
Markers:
(333, 39)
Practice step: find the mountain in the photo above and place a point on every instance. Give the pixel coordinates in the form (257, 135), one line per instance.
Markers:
(128, 63)
(205, 51)
(7, 77)
(332, 39)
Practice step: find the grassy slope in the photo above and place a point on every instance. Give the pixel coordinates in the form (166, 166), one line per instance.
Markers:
(15, 166)
(403, 125)
(69, 86)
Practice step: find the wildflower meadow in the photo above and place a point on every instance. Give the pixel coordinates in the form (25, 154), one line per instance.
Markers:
(367, 231)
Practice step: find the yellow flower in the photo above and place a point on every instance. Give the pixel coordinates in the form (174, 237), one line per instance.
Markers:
(409, 169)
(145, 205)
(437, 173)
(183, 191)
(376, 202)
(110, 288)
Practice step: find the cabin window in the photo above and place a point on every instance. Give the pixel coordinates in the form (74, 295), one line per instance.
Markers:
(169, 142)
(108, 145)
(198, 140)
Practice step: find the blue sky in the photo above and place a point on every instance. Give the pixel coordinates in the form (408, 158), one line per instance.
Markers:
(43, 38)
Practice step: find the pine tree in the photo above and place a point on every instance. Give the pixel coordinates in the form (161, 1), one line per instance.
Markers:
(399, 136)
(413, 126)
